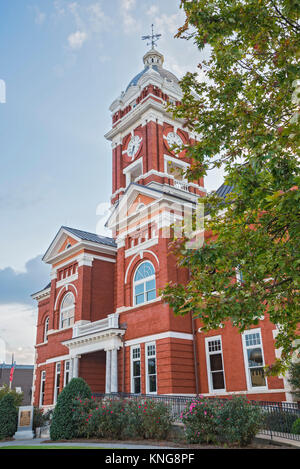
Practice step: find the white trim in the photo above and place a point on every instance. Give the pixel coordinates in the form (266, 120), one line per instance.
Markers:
(123, 309)
(56, 359)
(257, 389)
(67, 280)
(146, 366)
(139, 254)
(55, 394)
(69, 371)
(141, 247)
(162, 335)
(143, 282)
(42, 380)
(208, 367)
(67, 289)
(135, 347)
(41, 295)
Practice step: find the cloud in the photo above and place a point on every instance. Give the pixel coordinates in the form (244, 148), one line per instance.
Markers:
(16, 287)
(40, 16)
(77, 39)
(130, 24)
(152, 11)
(17, 333)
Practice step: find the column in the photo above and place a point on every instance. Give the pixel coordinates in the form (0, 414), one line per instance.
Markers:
(74, 367)
(114, 370)
(108, 372)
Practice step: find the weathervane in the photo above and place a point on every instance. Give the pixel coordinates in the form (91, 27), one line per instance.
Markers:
(154, 38)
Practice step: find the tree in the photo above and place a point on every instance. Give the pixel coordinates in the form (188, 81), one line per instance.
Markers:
(8, 416)
(245, 111)
(62, 425)
(294, 378)
(17, 396)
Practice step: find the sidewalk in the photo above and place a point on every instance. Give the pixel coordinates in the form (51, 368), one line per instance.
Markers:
(278, 439)
(40, 441)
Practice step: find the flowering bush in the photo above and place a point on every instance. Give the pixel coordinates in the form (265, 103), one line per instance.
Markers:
(156, 419)
(121, 419)
(199, 418)
(238, 421)
(234, 421)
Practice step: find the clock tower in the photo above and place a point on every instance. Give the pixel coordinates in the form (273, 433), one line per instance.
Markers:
(143, 134)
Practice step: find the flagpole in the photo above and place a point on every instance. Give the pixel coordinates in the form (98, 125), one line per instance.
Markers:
(11, 371)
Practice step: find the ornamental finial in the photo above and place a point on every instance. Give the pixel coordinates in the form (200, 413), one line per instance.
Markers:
(153, 37)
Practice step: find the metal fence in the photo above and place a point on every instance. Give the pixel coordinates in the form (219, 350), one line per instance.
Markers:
(278, 416)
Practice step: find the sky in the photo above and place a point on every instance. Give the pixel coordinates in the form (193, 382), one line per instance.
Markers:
(62, 63)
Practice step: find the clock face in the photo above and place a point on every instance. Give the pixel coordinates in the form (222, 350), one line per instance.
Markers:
(174, 139)
(134, 146)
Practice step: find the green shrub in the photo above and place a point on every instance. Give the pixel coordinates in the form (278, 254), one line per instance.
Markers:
(156, 419)
(238, 421)
(296, 427)
(62, 424)
(108, 420)
(8, 416)
(18, 396)
(121, 419)
(199, 419)
(294, 378)
(234, 421)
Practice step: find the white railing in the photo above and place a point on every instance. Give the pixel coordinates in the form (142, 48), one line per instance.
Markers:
(181, 185)
(110, 322)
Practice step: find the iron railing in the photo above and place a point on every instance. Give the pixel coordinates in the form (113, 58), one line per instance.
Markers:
(278, 421)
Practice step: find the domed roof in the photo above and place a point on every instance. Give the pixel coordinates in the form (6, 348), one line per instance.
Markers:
(153, 60)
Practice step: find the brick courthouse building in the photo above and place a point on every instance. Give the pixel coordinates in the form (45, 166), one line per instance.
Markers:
(101, 317)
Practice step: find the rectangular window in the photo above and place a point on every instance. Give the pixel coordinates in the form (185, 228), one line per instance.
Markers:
(42, 389)
(67, 372)
(136, 370)
(216, 378)
(151, 377)
(254, 359)
(57, 382)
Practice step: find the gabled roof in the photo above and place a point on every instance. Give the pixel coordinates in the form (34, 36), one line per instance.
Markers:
(93, 237)
(58, 248)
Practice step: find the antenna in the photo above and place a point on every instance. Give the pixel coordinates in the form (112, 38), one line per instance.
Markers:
(153, 38)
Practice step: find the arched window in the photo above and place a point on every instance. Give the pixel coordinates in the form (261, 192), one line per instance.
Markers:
(46, 328)
(67, 311)
(144, 283)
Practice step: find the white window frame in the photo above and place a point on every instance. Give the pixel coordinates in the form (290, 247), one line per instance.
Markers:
(63, 310)
(43, 383)
(46, 328)
(209, 371)
(132, 166)
(57, 373)
(148, 344)
(143, 281)
(247, 368)
(67, 372)
(132, 360)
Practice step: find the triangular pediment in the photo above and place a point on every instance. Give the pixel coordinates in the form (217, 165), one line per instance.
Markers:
(127, 207)
(62, 242)
(140, 201)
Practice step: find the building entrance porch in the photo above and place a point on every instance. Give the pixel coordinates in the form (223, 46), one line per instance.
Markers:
(94, 353)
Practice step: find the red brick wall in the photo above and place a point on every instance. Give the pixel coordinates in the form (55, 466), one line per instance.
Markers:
(92, 370)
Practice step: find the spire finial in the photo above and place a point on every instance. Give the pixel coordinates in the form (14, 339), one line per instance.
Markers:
(154, 38)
